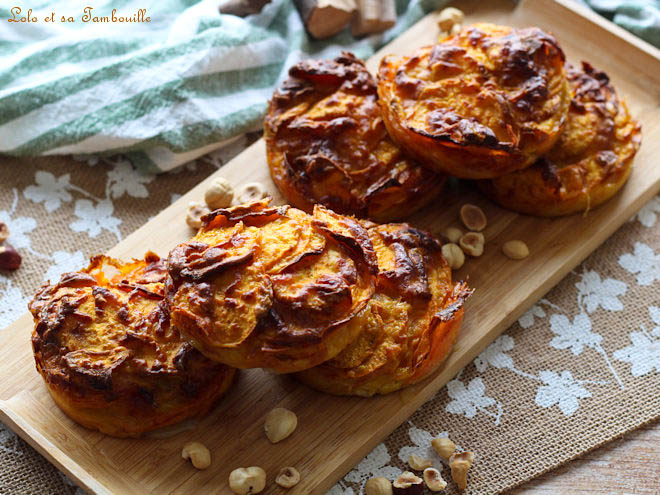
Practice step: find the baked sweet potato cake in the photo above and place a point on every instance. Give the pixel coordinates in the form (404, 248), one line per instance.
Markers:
(111, 359)
(590, 162)
(482, 103)
(410, 324)
(326, 143)
(271, 286)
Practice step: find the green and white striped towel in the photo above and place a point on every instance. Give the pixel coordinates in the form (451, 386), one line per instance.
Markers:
(640, 17)
(164, 91)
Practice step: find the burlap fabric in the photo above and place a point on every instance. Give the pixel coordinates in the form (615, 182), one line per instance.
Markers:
(579, 369)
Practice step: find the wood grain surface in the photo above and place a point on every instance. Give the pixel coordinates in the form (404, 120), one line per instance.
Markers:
(335, 433)
(627, 466)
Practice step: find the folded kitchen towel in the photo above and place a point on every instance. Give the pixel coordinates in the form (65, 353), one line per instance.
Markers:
(164, 81)
(640, 17)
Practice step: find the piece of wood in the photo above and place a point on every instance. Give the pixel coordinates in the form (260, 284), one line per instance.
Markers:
(335, 433)
(325, 18)
(630, 465)
(241, 8)
(373, 16)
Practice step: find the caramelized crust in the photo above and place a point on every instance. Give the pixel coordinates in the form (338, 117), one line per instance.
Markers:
(590, 162)
(326, 143)
(410, 324)
(482, 103)
(264, 286)
(111, 360)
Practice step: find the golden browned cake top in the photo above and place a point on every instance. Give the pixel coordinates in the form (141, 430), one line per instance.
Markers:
(599, 132)
(589, 163)
(106, 331)
(407, 328)
(270, 281)
(327, 143)
(488, 86)
(413, 276)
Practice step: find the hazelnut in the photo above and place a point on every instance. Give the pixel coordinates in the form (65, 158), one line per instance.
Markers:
(195, 213)
(433, 480)
(472, 243)
(288, 477)
(247, 480)
(378, 486)
(516, 250)
(279, 424)
(449, 17)
(408, 484)
(219, 194)
(4, 232)
(198, 454)
(473, 217)
(452, 234)
(454, 255)
(252, 191)
(444, 447)
(9, 258)
(459, 463)
(417, 463)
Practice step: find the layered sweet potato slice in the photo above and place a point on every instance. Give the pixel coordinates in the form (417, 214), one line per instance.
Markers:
(410, 324)
(326, 143)
(590, 162)
(271, 286)
(482, 103)
(111, 359)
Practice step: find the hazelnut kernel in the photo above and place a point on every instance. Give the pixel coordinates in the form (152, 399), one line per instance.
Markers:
(288, 477)
(449, 17)
(408, 484)
(516, 250)
(455, 29)
(473, 217)
(444, 447)
(4, 232)
(472, 243)
(279, 424)
(460, 463)
(219, 194)
(378, 486)
(10, 260)
(417, 463)
(243, 481)
(433, 480)
(454, 255)
(195, 213)
(198, 454)
(252, 191)
(453, 234)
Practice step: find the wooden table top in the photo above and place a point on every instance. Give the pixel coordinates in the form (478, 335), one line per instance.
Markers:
(630, 465)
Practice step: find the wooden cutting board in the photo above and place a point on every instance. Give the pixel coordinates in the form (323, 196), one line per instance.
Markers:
(335, 433)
